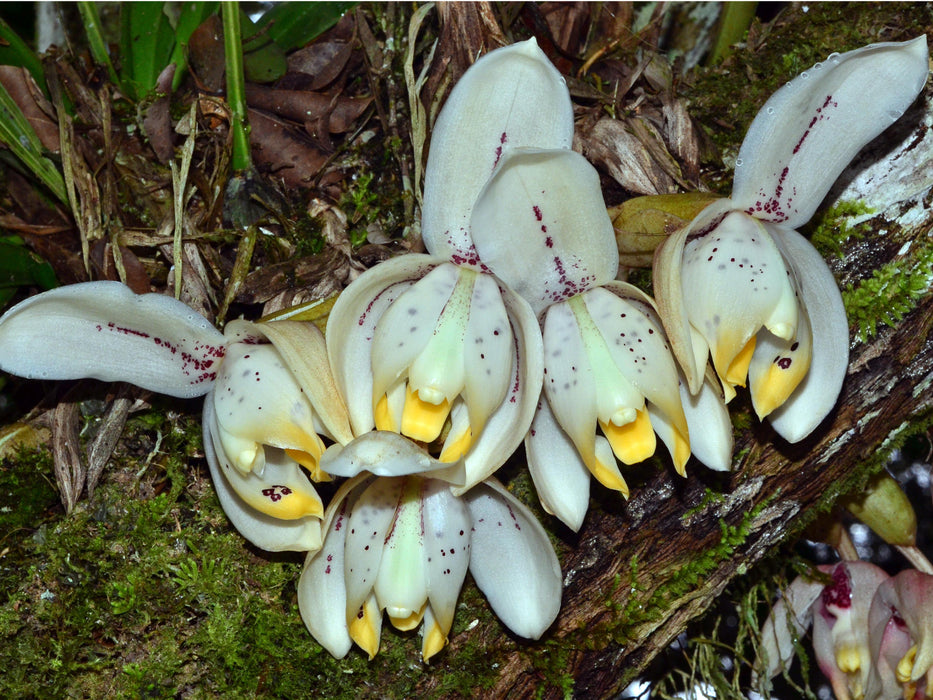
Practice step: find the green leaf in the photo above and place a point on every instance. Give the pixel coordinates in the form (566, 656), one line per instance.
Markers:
(190, 17)
(92, 28)
(20, 267)
(21, 139)
(15, 52)
(263, 59)
(146, 45)
(294, 24)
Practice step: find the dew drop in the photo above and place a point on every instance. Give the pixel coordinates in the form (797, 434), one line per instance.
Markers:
(804, 75)
(817, 66)
(770, 110)
(739, 162)
(834, 57)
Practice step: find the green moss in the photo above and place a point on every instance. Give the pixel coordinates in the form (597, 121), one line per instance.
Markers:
(831, 229)
(891, 292)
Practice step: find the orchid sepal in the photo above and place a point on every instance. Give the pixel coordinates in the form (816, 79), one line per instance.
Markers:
(512, 97)
(103, 330)
(809, 130)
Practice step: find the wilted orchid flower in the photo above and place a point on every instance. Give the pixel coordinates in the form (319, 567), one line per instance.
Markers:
(900, 633)
(432, 346)
(610, 380)
(268, 385)
(839, 613)
(739, 283)
(403, 545)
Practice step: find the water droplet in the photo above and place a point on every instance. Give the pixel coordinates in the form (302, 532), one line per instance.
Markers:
(770, 110)
(739, 162)
(817, 66)
(834, 57)
(804, 75)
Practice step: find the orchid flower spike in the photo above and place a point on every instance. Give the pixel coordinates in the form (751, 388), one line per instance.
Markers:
(403, 545)
(739, 283)
(433, 346)
(900, 634)
(611, 383)
(269, 391)
(839, 613)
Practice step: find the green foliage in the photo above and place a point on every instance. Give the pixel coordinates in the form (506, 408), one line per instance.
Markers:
(294, 24)
(20, 267)
(831, 229)
(891, 292)
(15, 52)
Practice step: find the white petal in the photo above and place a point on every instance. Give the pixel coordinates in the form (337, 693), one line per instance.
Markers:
(264, 531)
(304, 352)
(369, 522)
(446, 549)
(509, 98)
(322, 591)
(560, 476)
(711, 438)
(734, 280)
(388, 454)
(487, 353)
(569, 382)
(541, 226)
(409, 325)
(258, 402)
(507, 426)
(688, 346)
(789, 619)
(105, 331)
(512, 561)
(810, 129)
(636, 342)
(816, 395)
(351, 327)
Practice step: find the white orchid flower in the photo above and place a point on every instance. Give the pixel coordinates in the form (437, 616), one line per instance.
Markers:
(433, 346)
(611, 382)
(403, 545)
(269, 391)
(739, 283)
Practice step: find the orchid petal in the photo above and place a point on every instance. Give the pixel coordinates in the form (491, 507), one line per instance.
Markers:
(351, 328)
(369, 522)
(388, 454)
(734, 282)
(559, 475)
(257, 401)
(889, 642)
(264, 531)
(778, 366)
(411, 322)
(446, 551)
(512, 561)
(688, 345)
(816, 395)
(910, 594)
(570, 384)
(810, 129)
(789, 619)
(488, 350)
(322, 588)
(635, 339)
(302, 347)
(711, 439)
(506, 427)
(104, 331)
(548, 205)
(512, 97)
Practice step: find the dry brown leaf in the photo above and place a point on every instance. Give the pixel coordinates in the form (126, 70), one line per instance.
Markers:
(158, 120)
(284, 150)
(340, 112)
(32, 103)
(322, 61)
(628, 161)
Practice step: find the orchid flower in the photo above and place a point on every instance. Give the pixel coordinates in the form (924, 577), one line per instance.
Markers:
(403, 545)
(269, 391)
(900, 633)
(433, 346)
(739, 283)
(610, 380)
(839, 613)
